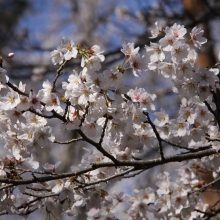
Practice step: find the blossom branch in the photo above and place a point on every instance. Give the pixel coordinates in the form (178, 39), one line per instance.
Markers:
(210, 109)
(137, 164)
(105, 179)
(59, 73)
(206, 186)
(68, 142)
(98, 146)
(157, 135)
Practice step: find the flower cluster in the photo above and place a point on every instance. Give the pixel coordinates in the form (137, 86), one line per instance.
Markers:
(120, 124)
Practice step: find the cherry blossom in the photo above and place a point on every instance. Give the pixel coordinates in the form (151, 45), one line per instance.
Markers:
(121, 127)
(196, 37)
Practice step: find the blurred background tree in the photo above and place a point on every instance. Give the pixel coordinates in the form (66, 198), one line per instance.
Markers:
(32, 29)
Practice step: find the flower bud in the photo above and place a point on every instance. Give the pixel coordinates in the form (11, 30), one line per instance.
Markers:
(10, 55)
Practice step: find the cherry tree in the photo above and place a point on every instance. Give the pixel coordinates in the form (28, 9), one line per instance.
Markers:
(119, 124)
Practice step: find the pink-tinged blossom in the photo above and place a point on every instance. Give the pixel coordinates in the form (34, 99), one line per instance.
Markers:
(10, 55)
(138, 64)
(176, 31)
(146, 101)
(196, 37)
(135, 94)
(97, 52)
(128, 50)
(33, 100)
(51, 100)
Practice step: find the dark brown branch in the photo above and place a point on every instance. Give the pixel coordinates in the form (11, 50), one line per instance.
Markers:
(98, 146)
(157, 135)
(137, 164)
(59, 73)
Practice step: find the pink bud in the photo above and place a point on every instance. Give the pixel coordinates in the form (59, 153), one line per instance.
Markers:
(10, 55)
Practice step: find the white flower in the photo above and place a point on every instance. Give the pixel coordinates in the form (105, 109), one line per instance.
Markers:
(129, 50)
(161, 118)
(147, 137)
(167, 69)
(91, 128)
(138, 64)
(179, 127)
(57, 57)
(179, 51)
(157, 30)
(10, 100)
(196, 37)
(176, 31)
(51, 167)
(68, 49)
(155, 51)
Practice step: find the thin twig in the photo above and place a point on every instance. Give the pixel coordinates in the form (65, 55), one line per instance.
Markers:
(59, 73)
(157, 135)
(206, 186)
(69, 141)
